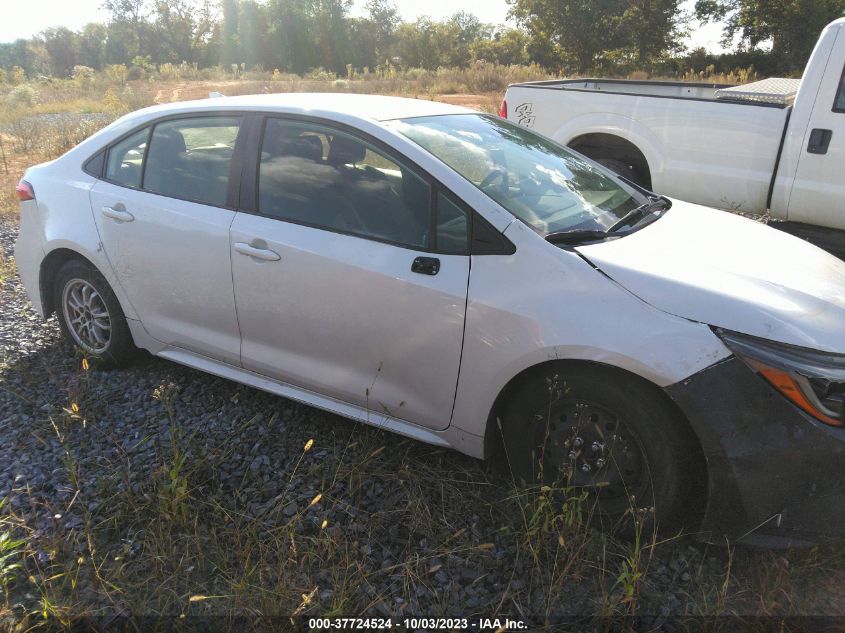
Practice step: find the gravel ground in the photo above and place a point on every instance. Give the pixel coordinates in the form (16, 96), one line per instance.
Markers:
(89, 463)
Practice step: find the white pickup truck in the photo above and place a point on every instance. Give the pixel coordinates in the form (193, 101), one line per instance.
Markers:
(776, 144)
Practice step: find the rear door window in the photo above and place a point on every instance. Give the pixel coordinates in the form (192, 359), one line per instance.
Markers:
(191, 159)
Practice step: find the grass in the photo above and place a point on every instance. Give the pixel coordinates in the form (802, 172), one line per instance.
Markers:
(7, 267)
(177, 540)
(10, 552)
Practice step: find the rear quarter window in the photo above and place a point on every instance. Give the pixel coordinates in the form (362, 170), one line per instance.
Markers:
(125, 164)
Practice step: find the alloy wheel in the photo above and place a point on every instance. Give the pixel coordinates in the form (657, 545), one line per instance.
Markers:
(86, 316)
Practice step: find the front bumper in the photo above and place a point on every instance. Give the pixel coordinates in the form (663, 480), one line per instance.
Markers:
(776, 476)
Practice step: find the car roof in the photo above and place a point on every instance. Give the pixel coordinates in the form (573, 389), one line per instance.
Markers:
(329, 104)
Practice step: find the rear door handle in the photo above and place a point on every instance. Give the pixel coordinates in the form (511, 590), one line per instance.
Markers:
(259, 253)
(426, 266)
(819, 141)
(118, 212)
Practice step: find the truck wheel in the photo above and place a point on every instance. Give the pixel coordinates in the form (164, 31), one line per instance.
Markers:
(623, 169)
(90, 316)
(604, 431)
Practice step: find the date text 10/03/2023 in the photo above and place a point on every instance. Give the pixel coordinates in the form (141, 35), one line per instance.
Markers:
(451, 624)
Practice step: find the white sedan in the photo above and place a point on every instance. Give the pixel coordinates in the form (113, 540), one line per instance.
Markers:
(459, 279)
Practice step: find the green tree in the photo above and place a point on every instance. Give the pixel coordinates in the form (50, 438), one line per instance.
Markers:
(503, 47)
(384, 18)
(331, 35)
(426, 43)
(128, 28)
(363, 49)
(573, 33)
(62, 46)
(585, 34)
(92, 43)
(182, 28)
(230, 52)
(469, 30)
(652, 28)
(792, 26)
(252, 35)
(290, 35)
(19, 53)
(119, 43)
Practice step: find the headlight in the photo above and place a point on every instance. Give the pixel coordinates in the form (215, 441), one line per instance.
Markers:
(813, 380)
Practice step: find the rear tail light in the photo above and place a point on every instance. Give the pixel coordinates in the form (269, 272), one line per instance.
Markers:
(503, 109)
(25, 191)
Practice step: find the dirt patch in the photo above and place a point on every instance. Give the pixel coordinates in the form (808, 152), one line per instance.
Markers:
(488, 102)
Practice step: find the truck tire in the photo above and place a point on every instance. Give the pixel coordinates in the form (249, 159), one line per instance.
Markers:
(623, 169)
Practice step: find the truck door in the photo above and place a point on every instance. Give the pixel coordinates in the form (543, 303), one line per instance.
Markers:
(818, 193)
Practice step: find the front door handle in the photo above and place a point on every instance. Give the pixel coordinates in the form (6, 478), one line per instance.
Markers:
(426, 266)
(259, 253)
(819, 141)
(118, 212)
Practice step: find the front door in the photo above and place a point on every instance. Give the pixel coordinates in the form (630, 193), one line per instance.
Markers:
(818, 193)
(337, 286)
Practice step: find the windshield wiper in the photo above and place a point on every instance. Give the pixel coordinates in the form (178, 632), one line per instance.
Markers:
(576, 237)
(635, 215)
(632, 217)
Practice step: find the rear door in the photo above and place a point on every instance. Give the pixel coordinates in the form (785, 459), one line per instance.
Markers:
(163, 209)
(818, 193)
(344, 283)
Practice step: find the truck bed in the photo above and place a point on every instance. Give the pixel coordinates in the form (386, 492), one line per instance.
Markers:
(772, 92)
(720, 152)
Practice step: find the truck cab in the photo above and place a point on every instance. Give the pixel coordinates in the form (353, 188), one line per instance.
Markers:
(809, 186)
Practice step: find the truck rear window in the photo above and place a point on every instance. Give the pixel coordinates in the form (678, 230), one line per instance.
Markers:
(839, 105)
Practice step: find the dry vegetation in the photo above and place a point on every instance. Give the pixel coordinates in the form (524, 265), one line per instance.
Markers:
(176, 540)
(40, 120)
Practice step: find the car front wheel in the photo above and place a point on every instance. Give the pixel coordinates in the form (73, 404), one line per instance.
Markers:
(600, 430)
(90, 316)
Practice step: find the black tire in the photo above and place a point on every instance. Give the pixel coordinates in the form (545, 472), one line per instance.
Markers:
(118, 349)
(622, 168)
(650, 459)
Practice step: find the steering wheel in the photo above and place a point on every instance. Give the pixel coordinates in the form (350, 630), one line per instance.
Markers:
(490, 179)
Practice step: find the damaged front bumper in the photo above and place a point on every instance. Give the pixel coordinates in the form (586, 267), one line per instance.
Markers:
(776, 476)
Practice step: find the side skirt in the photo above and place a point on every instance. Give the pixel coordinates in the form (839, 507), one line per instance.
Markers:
(451, 437)
(301, 395)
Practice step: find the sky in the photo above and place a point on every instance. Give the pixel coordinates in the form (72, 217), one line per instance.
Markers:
(24, 18)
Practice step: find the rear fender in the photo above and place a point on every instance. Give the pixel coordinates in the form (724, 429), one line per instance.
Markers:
(617, 125)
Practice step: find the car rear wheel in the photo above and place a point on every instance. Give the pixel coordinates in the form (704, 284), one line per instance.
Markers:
(604, 431)
(90, 316)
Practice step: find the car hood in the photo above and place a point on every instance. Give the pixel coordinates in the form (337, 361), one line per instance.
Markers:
(724, 270)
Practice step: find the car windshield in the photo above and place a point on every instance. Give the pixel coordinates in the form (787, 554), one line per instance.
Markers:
(542, 183)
